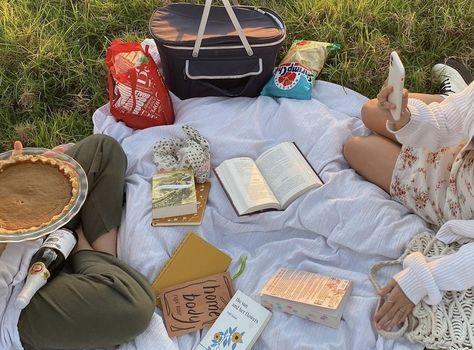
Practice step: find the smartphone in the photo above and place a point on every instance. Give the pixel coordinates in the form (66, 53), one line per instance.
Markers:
(396, 78)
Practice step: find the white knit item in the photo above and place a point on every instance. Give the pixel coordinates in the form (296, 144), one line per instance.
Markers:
(446, 325)
(439, 124)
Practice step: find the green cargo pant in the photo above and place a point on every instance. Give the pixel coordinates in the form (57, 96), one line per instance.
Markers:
(97, 300)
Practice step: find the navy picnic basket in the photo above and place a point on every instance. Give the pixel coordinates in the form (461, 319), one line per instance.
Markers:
(209, 50)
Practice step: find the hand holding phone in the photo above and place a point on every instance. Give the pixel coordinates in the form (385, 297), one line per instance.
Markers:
(396, 78)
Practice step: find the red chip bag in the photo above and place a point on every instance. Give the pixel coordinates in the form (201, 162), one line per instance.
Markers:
(137, 93)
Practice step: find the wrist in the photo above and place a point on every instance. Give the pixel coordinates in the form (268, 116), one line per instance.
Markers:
(396, 125)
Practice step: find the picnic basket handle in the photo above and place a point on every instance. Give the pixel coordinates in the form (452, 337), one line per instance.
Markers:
(235, 2)
(372, 277)
(234, 20)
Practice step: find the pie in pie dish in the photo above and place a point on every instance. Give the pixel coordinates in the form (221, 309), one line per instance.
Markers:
(35, 190)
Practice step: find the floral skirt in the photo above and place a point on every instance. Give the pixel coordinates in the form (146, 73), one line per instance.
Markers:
(435, 185)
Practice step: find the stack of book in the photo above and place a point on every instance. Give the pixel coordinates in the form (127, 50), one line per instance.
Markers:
(176, 199)
(194, 291)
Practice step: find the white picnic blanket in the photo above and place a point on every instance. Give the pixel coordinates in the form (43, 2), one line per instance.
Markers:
(339, 229)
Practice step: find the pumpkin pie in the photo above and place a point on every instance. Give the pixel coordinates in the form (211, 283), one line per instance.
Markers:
(35, 191)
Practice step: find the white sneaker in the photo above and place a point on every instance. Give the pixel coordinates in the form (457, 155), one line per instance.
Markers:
(452, 76)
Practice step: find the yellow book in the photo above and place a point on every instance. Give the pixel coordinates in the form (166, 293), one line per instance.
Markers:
(202, 193)
(194, 258)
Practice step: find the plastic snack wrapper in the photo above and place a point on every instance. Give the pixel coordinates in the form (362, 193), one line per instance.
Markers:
(295, 75)
(190, 152)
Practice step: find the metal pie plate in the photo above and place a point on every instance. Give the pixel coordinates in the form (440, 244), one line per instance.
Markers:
(65, 217)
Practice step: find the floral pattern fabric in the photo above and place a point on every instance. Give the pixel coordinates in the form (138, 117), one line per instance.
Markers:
(438, 186)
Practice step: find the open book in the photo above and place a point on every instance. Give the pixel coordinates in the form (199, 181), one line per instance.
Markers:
(275, 179)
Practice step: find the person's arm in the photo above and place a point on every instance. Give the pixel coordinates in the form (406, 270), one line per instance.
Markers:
(427, 279)
(438, 124)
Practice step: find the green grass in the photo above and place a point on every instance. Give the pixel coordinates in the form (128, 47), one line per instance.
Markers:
(52, 75)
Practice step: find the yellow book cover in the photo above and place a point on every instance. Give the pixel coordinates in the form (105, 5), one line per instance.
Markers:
(202, 193)
(194, 258)
(173, 193)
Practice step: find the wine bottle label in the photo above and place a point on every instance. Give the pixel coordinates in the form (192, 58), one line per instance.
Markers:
(62, 240)
(39, 268)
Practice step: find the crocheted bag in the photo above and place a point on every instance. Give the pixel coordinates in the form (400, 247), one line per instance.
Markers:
(447, 325)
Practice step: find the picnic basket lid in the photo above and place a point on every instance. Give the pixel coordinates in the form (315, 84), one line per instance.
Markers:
(177, 25)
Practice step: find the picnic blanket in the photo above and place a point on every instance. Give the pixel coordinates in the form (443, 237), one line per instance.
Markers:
(339, 229)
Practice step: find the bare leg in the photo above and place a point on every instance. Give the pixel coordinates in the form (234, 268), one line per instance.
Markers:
(373, 157)
(375, 118)
(107, 242)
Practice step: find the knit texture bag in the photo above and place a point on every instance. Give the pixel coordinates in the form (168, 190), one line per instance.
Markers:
(447, 325)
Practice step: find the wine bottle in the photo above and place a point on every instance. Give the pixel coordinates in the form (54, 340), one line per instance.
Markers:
(46, 263)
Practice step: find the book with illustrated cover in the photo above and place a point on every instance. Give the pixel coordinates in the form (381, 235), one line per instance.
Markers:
(202, 193)
(194, 258)
(173, 193)
(193, 305)
(238, 327)
(312, 296)
(271, 182)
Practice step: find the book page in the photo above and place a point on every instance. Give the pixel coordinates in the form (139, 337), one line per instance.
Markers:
(287, 172)
(308, 288)
(245, 185)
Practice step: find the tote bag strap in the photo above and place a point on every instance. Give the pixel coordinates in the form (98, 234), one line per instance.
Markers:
(372, 277)
(235, 2)
(234, 20)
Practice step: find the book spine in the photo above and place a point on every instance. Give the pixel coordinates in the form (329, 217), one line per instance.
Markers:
(299, 310)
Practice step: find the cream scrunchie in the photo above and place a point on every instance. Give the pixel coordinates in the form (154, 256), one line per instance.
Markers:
(190, 152)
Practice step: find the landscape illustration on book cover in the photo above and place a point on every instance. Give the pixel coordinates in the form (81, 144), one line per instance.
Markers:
(202, 193)
(173, 193)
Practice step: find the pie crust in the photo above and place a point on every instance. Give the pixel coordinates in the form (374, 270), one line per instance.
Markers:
(35, 190)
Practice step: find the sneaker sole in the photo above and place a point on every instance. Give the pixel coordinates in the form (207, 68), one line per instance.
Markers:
(459, 68)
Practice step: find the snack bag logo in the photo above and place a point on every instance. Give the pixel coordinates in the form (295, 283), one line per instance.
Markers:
(287, 75)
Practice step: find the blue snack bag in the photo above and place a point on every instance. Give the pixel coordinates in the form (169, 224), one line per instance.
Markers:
(295, 75)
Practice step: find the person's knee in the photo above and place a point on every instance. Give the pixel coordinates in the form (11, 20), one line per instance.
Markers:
(351, 149)
(108, 147)
(136, 317)
(368, 112)
(104, 142)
